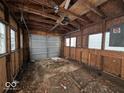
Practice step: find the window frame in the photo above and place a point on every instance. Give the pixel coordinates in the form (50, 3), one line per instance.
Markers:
(75, 42)
(21, 39)
(101, 40)
(5, 49)
(12, 29)
(68, 42)
(109, 48)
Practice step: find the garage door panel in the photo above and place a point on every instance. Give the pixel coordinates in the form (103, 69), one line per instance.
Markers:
(53, 54)
(53, 49)
(36, 45)
(38, 56)
(44, 46)
(53, 38)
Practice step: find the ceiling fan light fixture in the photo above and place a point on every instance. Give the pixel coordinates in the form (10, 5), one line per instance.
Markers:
(56, 8)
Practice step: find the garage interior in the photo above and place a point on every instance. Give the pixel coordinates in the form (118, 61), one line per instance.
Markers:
(61, 46)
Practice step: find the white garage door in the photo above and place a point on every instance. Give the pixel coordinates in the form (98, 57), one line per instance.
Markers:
(44, 46)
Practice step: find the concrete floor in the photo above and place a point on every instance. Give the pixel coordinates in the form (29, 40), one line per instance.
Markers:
(62, 76)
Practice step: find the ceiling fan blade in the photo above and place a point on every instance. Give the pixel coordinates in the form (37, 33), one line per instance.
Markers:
(67, 4)
(55, 27)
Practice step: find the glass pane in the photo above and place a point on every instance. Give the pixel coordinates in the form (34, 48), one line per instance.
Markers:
(2, 38)
(12, 39)
(21, 45)
(73, 42)
(107, 47)
(67, 41)
(95, 41)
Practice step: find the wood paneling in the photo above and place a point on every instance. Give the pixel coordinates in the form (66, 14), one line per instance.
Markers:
(3, 76)
(12, 60)
(112, 65)
(13, 22)
(78, 54)
(108, 61)
(72, 53)
(37, 32)
(12, 64)
(66, 52)
(17, 61)
(122, 68)
(85, 56)
(1, 14)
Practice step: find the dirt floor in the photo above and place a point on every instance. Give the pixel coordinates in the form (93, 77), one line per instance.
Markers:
(62, 76)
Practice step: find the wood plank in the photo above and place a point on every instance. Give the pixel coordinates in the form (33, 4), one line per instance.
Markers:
(67, 4)
(34, 11)
(3, 76)
(31, 18)
(122, 68)
(80, 8)
(2, 14)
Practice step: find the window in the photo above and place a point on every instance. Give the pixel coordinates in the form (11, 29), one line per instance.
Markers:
(2, 38)
(13, 46)
(107, 41)
(67, 41)
(95, 41)
(73, 42)
(21, 41)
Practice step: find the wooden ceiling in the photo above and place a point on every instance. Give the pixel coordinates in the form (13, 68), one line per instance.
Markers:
(41, 15)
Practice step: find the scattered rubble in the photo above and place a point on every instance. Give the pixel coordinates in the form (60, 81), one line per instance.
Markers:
(56, 75)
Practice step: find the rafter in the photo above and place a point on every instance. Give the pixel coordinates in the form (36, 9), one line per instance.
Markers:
(31, 18)
(34, 11)
(93, 8)
(61, 9)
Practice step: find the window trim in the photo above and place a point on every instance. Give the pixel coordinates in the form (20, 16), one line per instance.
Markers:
(100, 33)
(15, 39)
(107, 49)
(75, 42)
(5, 39)
(21, 40)
(68, 42)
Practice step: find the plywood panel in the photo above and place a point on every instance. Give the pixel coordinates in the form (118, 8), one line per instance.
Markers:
(112, 65)
(95, 58)
(72, 51)
(1, 14)
(92, 61)
(13, 22)
(85, 56)
(122, 68)
(13, 64)
(80, 7)
(113, 22)
(3, 76)
(98, 62)
(17, 62)
(78, 54)
(20, 58)
(66, 52)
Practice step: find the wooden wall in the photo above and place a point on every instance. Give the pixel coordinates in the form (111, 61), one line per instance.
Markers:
(12, 61)
(111, 62)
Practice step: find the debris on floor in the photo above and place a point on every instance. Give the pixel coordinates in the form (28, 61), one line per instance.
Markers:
(58, 75)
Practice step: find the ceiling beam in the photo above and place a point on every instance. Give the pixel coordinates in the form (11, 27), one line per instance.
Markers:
(61, 9)
(67, 4)
(34, 11)
(93, 8)
(80, 7)
(35, 19)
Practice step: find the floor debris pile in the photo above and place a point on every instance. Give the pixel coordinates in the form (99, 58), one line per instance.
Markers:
(57, 75)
